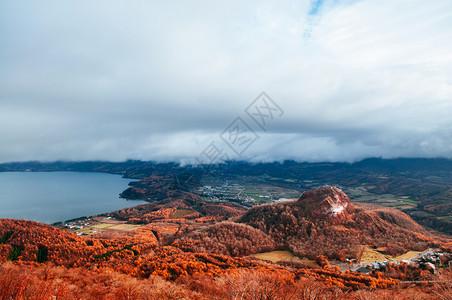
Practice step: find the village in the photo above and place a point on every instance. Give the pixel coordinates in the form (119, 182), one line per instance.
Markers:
(96, 224)
(430, 260)
(246, 195)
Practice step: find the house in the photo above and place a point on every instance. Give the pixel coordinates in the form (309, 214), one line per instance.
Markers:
(430, 267)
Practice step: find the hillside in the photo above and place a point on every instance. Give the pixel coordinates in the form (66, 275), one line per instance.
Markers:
(137, 253)
(41, 262)
(187, 248)
(47, 262)
(325, 222)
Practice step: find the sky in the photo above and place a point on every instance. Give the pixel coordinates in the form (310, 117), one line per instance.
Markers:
(199, 81)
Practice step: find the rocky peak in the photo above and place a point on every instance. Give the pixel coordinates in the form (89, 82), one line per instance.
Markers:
(326, 203)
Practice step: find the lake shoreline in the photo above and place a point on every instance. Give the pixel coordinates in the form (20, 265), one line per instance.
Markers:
(56, 196)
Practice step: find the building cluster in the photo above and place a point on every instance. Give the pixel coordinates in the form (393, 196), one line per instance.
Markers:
(78, 224)
(432, 260)
(428, 260)
(225, 192)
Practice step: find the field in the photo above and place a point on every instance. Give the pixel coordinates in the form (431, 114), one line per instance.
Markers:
(98, 225)
(275, 256)
(372, 255)
(123, 227)
(361, 194)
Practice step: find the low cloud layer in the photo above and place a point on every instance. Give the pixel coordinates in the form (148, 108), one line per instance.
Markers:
(116, 80)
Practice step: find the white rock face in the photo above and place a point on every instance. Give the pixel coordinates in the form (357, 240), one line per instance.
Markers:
(329, 203)
(336, 209)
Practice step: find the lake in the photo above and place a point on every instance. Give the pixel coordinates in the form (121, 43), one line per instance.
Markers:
(51, 197)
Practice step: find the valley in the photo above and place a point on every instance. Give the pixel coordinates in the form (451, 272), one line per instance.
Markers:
(216, 232)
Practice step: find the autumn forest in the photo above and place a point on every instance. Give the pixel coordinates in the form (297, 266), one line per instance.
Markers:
(180, 245)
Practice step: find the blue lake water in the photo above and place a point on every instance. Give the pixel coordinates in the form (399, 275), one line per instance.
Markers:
(50, 197)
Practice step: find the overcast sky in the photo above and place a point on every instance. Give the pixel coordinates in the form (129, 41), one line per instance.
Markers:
(162, 80)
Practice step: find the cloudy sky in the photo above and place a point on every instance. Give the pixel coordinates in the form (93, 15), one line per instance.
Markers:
(167, 80)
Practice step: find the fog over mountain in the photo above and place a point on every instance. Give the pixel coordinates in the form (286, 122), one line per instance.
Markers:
(152, 80)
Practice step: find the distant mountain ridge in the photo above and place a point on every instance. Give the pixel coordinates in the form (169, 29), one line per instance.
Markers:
(425, 182)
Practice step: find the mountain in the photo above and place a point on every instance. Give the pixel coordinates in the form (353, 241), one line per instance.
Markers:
(328, 203)
(325, 222)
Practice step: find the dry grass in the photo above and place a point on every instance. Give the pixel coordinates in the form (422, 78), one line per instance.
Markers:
(275, 256)
(407, 255)
(371, 255)
(103, 225)
(125, 227)
(85, 231)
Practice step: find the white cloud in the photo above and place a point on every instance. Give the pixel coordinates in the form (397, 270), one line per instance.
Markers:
(149, 80)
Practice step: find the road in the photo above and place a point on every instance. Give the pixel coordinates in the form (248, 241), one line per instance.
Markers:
(428, 251)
